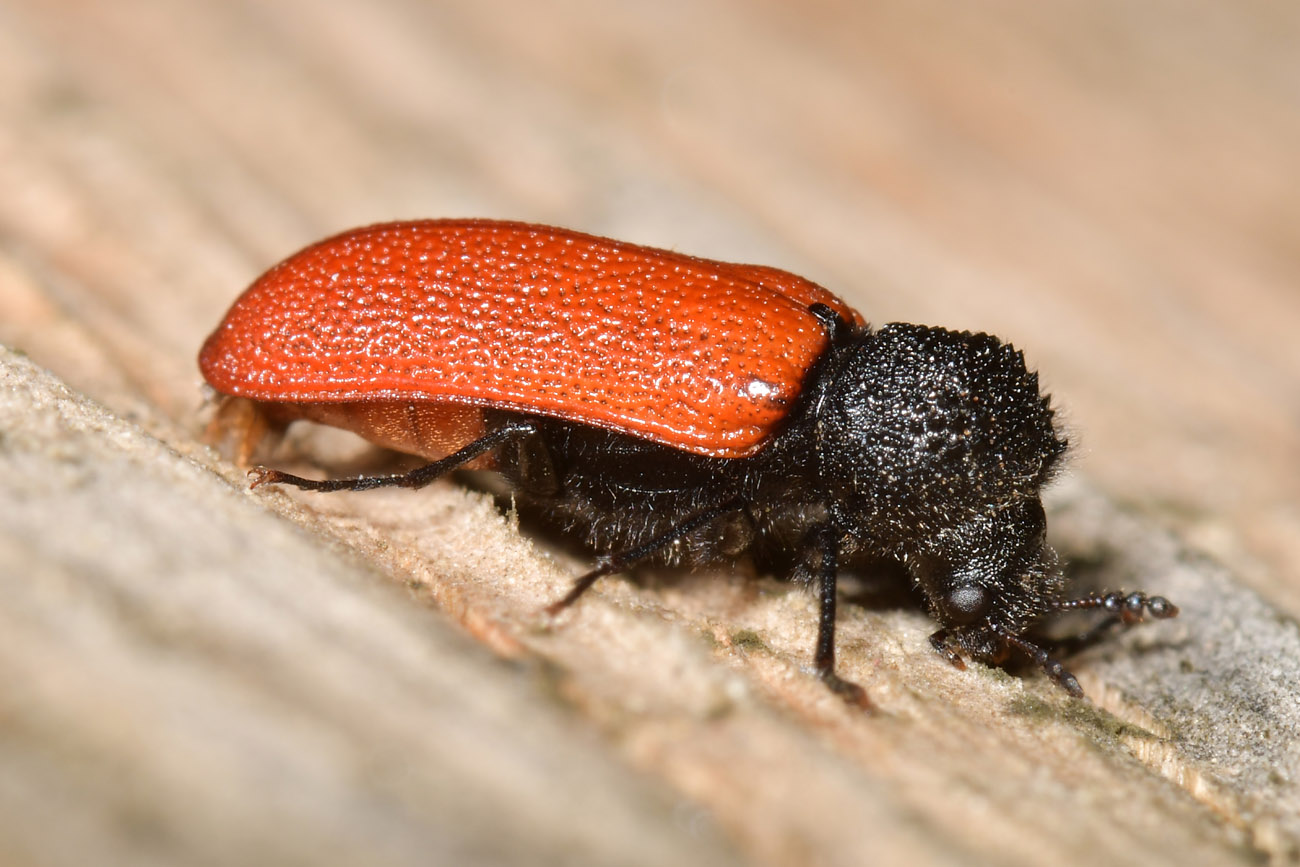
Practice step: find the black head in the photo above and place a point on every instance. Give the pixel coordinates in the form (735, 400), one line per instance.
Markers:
(935, 445)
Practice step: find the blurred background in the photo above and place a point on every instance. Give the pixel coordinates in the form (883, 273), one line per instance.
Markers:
(1113, 186)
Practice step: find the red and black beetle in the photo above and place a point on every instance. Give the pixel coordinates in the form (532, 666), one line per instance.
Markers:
(671, 408)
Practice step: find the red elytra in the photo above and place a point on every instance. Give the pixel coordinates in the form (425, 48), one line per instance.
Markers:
(400, 331)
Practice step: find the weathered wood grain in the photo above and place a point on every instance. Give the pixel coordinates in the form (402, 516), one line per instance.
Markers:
(189, 679)
(199, 675)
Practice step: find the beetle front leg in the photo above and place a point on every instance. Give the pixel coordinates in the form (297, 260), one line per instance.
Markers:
(1051, 666)
(942, 645)
(824, 658)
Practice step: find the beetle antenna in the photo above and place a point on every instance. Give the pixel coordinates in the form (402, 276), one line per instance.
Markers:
(1122, 609)
(1127, 608)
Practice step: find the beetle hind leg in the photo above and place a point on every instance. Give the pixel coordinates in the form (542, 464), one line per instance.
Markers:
(417, 478)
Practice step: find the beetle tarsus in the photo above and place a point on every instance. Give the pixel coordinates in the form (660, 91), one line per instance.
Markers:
(581, 586)
(1061, 676)
(846, 689)
(1052, 667)
(939, 641)
(259, 476)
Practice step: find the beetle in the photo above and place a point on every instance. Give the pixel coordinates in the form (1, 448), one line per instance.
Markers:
(667, 408)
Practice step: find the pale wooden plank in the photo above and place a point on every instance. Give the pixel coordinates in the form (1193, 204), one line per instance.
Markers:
(1103, 183)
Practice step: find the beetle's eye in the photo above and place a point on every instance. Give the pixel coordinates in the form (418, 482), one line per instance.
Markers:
(967, 603)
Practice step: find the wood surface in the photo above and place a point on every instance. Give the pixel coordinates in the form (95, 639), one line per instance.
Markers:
(198, 674)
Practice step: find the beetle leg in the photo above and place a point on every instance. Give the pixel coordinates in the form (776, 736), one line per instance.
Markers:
(612, 563)
(939, 641)
(1050, 666)
(244, 424)
(824, 657)
(416, 478)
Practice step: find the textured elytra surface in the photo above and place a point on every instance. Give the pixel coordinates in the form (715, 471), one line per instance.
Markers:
(702, 355)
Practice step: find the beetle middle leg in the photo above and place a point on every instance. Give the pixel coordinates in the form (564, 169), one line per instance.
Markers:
(611, 563)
